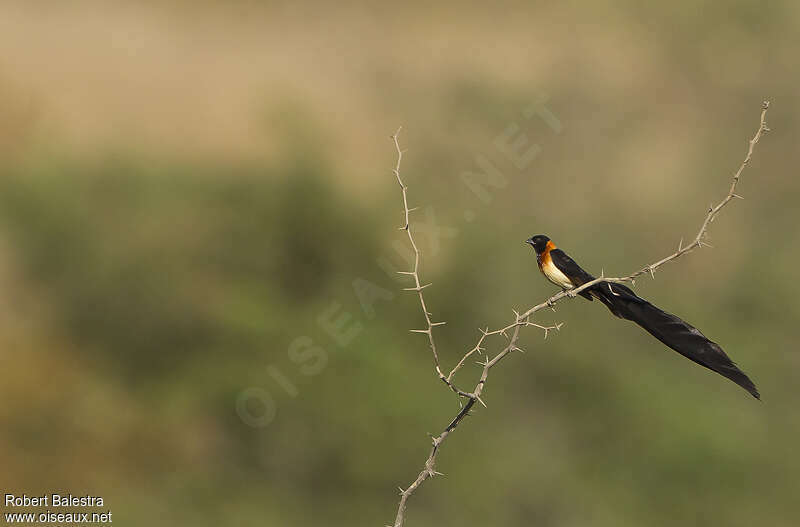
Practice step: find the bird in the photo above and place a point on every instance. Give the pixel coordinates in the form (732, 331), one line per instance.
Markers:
(677, 334)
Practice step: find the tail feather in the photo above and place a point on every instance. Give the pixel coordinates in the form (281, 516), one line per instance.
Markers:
(672, 331)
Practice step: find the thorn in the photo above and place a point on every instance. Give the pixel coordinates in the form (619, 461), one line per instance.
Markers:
(737, 196)
(652, 273)
(412, 209)
(401, 490)
(680, 245)
(406, 272)
(420, 330)
(481, 401)
(438, 324)
(558, 326)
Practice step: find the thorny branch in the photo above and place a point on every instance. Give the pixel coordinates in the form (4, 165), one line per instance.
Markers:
(418, 287)
(523, 319)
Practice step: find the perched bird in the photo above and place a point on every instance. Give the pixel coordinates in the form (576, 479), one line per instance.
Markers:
(623, 302)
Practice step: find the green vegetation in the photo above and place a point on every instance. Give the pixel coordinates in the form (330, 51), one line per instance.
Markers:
(147, 283)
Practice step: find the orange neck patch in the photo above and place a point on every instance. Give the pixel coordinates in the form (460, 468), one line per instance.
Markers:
(544, 258)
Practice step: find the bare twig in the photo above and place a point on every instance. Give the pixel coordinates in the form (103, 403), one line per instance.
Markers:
(714, 210)
(414, 273)
(699, 241)
(523, 319)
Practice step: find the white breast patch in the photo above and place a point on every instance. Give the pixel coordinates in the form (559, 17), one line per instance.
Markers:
(555, 275)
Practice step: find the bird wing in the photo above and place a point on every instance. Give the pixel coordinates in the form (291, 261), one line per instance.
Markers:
(571, 270)
(666, 327)
(570, 267)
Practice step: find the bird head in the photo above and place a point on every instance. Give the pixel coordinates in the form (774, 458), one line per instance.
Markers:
(538, 242)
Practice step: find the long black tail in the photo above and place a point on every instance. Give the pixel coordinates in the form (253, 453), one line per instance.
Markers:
(672, 331)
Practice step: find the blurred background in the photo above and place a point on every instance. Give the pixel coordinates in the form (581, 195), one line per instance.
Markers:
(200, 320)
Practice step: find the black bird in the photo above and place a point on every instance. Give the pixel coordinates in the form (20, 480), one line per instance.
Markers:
(622, 302)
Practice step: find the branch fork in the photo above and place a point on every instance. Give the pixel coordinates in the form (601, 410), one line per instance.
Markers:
(523, 319)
